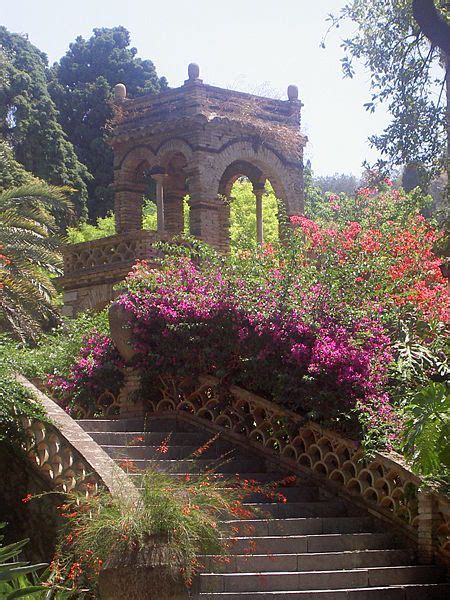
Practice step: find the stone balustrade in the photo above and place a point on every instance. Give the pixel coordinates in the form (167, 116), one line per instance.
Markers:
(121, 249)
(382, 484)
(67, 456)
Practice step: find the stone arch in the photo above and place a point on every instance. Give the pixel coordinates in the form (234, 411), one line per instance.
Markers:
(174, 146)
(128, 162)
(259, 161)
(130, 186)
(238, 169)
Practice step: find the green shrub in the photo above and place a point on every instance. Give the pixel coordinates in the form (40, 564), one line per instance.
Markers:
(14, 573)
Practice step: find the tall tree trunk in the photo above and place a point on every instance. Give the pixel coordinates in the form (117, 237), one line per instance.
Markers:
(437, 30)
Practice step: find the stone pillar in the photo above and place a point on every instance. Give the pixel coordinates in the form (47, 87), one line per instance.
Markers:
(160, 178)
(128, 200)
(205, 220)
(173, 212)
(223, 242)
(259, 192)
(427, 520)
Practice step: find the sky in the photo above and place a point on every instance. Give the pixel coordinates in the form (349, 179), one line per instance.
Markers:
(249, 45)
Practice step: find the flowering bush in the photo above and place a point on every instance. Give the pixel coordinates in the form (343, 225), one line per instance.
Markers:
(190, 320)
(378, 248)
(312, 323)
(96, 368)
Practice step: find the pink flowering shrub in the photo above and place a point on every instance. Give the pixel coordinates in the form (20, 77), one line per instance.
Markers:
(378, 249)
(94, 370)
(190, 320)
(312, 324)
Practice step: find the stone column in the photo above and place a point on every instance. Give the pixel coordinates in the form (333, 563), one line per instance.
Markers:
(205, 220)
(128, 200)
(160, 179)
(259, 192)
(427, 519)
(173, 212)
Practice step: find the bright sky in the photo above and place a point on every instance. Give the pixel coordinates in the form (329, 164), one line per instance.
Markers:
(258, 46)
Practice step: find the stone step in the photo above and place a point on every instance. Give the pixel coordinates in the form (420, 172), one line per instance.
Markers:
(299, 544)
(302, 526)
(148, 438)
(430, 591)
(111, 424)
(289, 510)
(266, 478)
(173, 451)
(316, 580)
(190, 466)
(325, 561)
(139, 424)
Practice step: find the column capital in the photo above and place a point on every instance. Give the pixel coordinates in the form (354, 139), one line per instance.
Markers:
(259, 189)
(159, 177)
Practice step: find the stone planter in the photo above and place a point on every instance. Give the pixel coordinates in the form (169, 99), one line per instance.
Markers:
(141, 583)
(120, 323)
(142, 573)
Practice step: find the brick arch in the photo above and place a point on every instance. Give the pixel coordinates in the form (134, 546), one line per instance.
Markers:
(234, 171)
(132, 158)
(260, 162)
(174, 146)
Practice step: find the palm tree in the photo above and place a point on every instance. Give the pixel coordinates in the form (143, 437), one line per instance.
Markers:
(29, 256)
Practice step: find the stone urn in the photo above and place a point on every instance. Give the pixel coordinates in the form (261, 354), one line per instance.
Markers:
(142, 573)
(141, 583)
(120, 325)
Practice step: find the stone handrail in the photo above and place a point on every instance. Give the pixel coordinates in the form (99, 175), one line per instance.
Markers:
(383, 484)
(109, 251)
(380, 483)
(67, 456)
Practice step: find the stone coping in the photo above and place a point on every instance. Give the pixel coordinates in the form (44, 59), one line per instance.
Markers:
(70, 436)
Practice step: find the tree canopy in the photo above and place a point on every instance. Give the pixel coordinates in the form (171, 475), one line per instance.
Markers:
(81, 85)
(407, 72)
(29, 119)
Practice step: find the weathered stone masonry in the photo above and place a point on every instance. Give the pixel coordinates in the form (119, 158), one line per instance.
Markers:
(194, 140)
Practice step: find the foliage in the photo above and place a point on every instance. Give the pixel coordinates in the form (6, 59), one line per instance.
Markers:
(106, 226)
(254, 332)
(337, 184)
(173, 521)
(53, 353)
(29, 256)
(427, 429)
(81, 86)
(243, 216)
(14, 580)
(313, 323)
(29, 118)
(95, 368)
(12, 173)
(15, 402)
(406, 72)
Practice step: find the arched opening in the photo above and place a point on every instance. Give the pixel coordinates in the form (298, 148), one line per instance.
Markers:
(252, 205)
(244, 223)
(165, 205)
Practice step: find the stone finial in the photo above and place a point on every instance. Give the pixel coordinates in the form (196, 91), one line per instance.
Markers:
(292, 93)
(193, 71)
(120, 92)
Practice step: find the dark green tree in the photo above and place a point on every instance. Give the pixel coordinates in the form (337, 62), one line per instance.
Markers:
(404, 46)
(29, 119)
(81, 84)
(12, 173)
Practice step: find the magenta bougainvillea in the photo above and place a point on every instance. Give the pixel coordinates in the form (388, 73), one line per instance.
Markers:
(94, 370)
(311, 323)
(189, 321)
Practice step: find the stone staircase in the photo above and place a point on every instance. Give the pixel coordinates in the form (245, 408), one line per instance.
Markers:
(314, 546)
